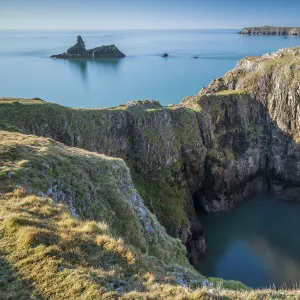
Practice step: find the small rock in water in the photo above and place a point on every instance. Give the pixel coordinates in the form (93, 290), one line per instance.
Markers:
(195, 57)
(165, 55)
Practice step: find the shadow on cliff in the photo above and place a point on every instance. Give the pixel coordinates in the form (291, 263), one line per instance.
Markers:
(248, 154)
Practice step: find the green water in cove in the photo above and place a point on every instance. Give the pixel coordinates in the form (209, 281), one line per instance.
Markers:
(257, 243)
(27, 71)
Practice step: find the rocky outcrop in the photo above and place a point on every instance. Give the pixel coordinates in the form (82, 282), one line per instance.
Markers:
(78, 48)
(79, 51)
(237, 137)
(254, 113)
(269, 30)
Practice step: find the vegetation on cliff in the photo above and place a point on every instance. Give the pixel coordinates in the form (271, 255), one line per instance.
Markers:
(149, 137)
(57, 241)
(73, 226)
(236, 137)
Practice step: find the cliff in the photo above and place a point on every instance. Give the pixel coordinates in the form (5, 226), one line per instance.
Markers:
(237, 137)
(91, 225)
(162, 146)
(254, 112)
(78, 51)
(269, 30)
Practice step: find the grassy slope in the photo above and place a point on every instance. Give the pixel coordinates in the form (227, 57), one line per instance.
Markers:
(98, 262)
(47, 252)
(90, 129)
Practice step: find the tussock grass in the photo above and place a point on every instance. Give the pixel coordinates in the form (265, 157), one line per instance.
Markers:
(69, 231)
(65, 244)
(230, 92)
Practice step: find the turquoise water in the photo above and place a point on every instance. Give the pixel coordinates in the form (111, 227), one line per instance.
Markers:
(257, 244)
(27, 70)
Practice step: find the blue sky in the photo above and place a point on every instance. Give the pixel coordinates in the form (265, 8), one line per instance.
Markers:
(146, 14)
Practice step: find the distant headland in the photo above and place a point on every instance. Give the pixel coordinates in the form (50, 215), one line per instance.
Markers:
(270, 30)
(79, 51)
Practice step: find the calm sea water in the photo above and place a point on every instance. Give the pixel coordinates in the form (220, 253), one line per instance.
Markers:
(257, 243)
(27, 70)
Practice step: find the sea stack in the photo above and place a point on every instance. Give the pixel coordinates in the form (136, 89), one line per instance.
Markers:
(78, 48)
(78, 51)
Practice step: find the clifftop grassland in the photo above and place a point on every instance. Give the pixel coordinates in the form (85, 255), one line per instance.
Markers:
(73, 226)
(100, 203)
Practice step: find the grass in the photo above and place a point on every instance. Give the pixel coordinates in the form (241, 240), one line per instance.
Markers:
(94, 186)
(50, 249)
(230, 92)
(54, 246)
(164, 199)
(73, 225)
(283, 66)
(162, 129)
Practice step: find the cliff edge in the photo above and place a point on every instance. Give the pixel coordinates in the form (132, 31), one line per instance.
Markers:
(92, 225)
(237, 137)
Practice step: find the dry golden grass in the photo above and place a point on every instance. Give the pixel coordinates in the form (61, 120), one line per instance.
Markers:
(48, 253)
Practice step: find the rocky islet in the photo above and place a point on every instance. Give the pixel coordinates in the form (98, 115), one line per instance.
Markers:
(78, 51)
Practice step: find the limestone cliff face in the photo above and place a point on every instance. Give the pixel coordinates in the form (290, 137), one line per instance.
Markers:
(162, 146)
(237, 137)
(267, 118)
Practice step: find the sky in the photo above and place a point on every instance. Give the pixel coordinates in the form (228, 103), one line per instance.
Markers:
(147, 14)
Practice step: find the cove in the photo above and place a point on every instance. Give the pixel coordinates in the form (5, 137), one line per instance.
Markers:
(256, 243)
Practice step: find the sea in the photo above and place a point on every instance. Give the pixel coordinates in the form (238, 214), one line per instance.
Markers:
(27, 70)
(258, 243)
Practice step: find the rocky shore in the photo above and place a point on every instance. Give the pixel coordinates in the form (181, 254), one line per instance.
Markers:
(269, 30)
(79, 51)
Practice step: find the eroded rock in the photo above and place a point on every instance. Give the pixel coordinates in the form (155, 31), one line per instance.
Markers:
(79, 51)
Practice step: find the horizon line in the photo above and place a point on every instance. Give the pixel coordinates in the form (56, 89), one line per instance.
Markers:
(69, 29)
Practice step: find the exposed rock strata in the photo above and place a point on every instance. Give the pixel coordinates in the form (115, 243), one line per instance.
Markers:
(79, 51)
(237, 137)
(269, 30)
